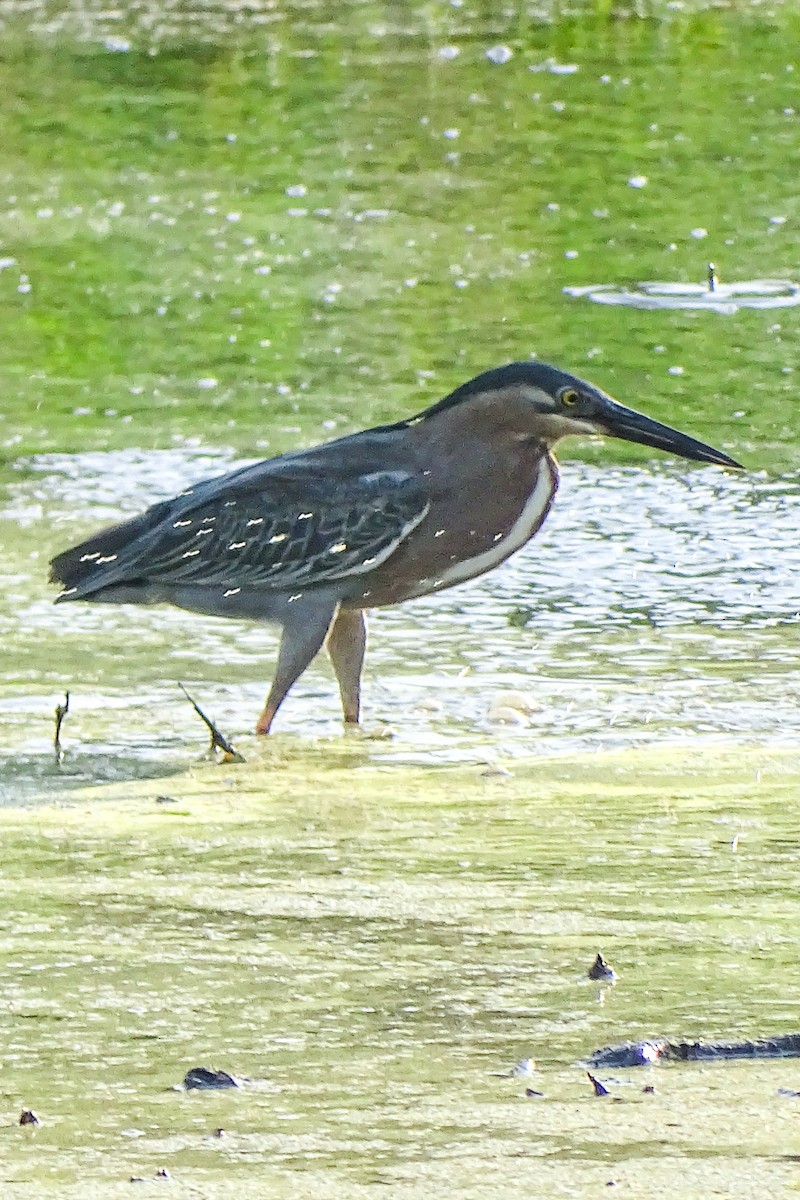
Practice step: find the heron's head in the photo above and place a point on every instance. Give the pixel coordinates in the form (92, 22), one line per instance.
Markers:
(550, 404)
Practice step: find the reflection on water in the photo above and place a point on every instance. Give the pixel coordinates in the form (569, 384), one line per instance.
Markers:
(726, 298)
(654, 603)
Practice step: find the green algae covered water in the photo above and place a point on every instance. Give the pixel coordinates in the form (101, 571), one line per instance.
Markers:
(227, 231)
(370, 952)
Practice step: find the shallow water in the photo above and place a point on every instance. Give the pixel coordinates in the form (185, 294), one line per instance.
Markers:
(230, 230)
(655, 603)
(368, 950)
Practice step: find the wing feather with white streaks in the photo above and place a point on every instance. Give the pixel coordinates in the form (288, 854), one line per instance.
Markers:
(270, 538)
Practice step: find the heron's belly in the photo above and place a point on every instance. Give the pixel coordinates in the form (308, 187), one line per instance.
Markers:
(245, 603)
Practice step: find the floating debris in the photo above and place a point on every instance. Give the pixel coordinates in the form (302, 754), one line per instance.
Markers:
(61, 712)
(639, 1054)
(28, 1117)
(533, 1092)
(218, 740)
(204, 1078)
(629, 1054)
(599, 1089)
(521, 1070)
(601, 970)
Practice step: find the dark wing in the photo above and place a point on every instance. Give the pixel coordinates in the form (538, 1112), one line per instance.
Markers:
(277, 529)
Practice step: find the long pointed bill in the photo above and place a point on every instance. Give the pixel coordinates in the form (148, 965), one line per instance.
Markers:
(621, 422)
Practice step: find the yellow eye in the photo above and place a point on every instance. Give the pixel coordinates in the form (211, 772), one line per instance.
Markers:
(569, 397)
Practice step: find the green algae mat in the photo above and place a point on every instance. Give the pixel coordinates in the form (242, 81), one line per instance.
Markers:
(369, 951)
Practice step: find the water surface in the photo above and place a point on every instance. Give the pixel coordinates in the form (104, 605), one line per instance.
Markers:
(227, 231)
(655, 604)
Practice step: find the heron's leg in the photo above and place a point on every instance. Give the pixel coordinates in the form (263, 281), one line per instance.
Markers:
(346, 644)
(304, 630)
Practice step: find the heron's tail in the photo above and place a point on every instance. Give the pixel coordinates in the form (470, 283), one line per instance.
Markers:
(85, 568)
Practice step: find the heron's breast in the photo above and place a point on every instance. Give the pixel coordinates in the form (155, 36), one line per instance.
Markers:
(463, 537)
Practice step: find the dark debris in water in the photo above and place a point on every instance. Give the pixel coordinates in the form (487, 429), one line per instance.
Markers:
(639, 1054)
(602, 971)
(629, 1054)
(28, 1117)
(205, 1078)
(599, 1088)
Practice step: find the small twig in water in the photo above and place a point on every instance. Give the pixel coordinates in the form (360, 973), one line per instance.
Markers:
(218, 740)
(61, 712)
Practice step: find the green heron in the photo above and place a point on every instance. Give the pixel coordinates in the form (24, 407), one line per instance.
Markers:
(312, 539)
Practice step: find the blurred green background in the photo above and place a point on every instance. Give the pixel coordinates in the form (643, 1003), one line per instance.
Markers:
(230, 221)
